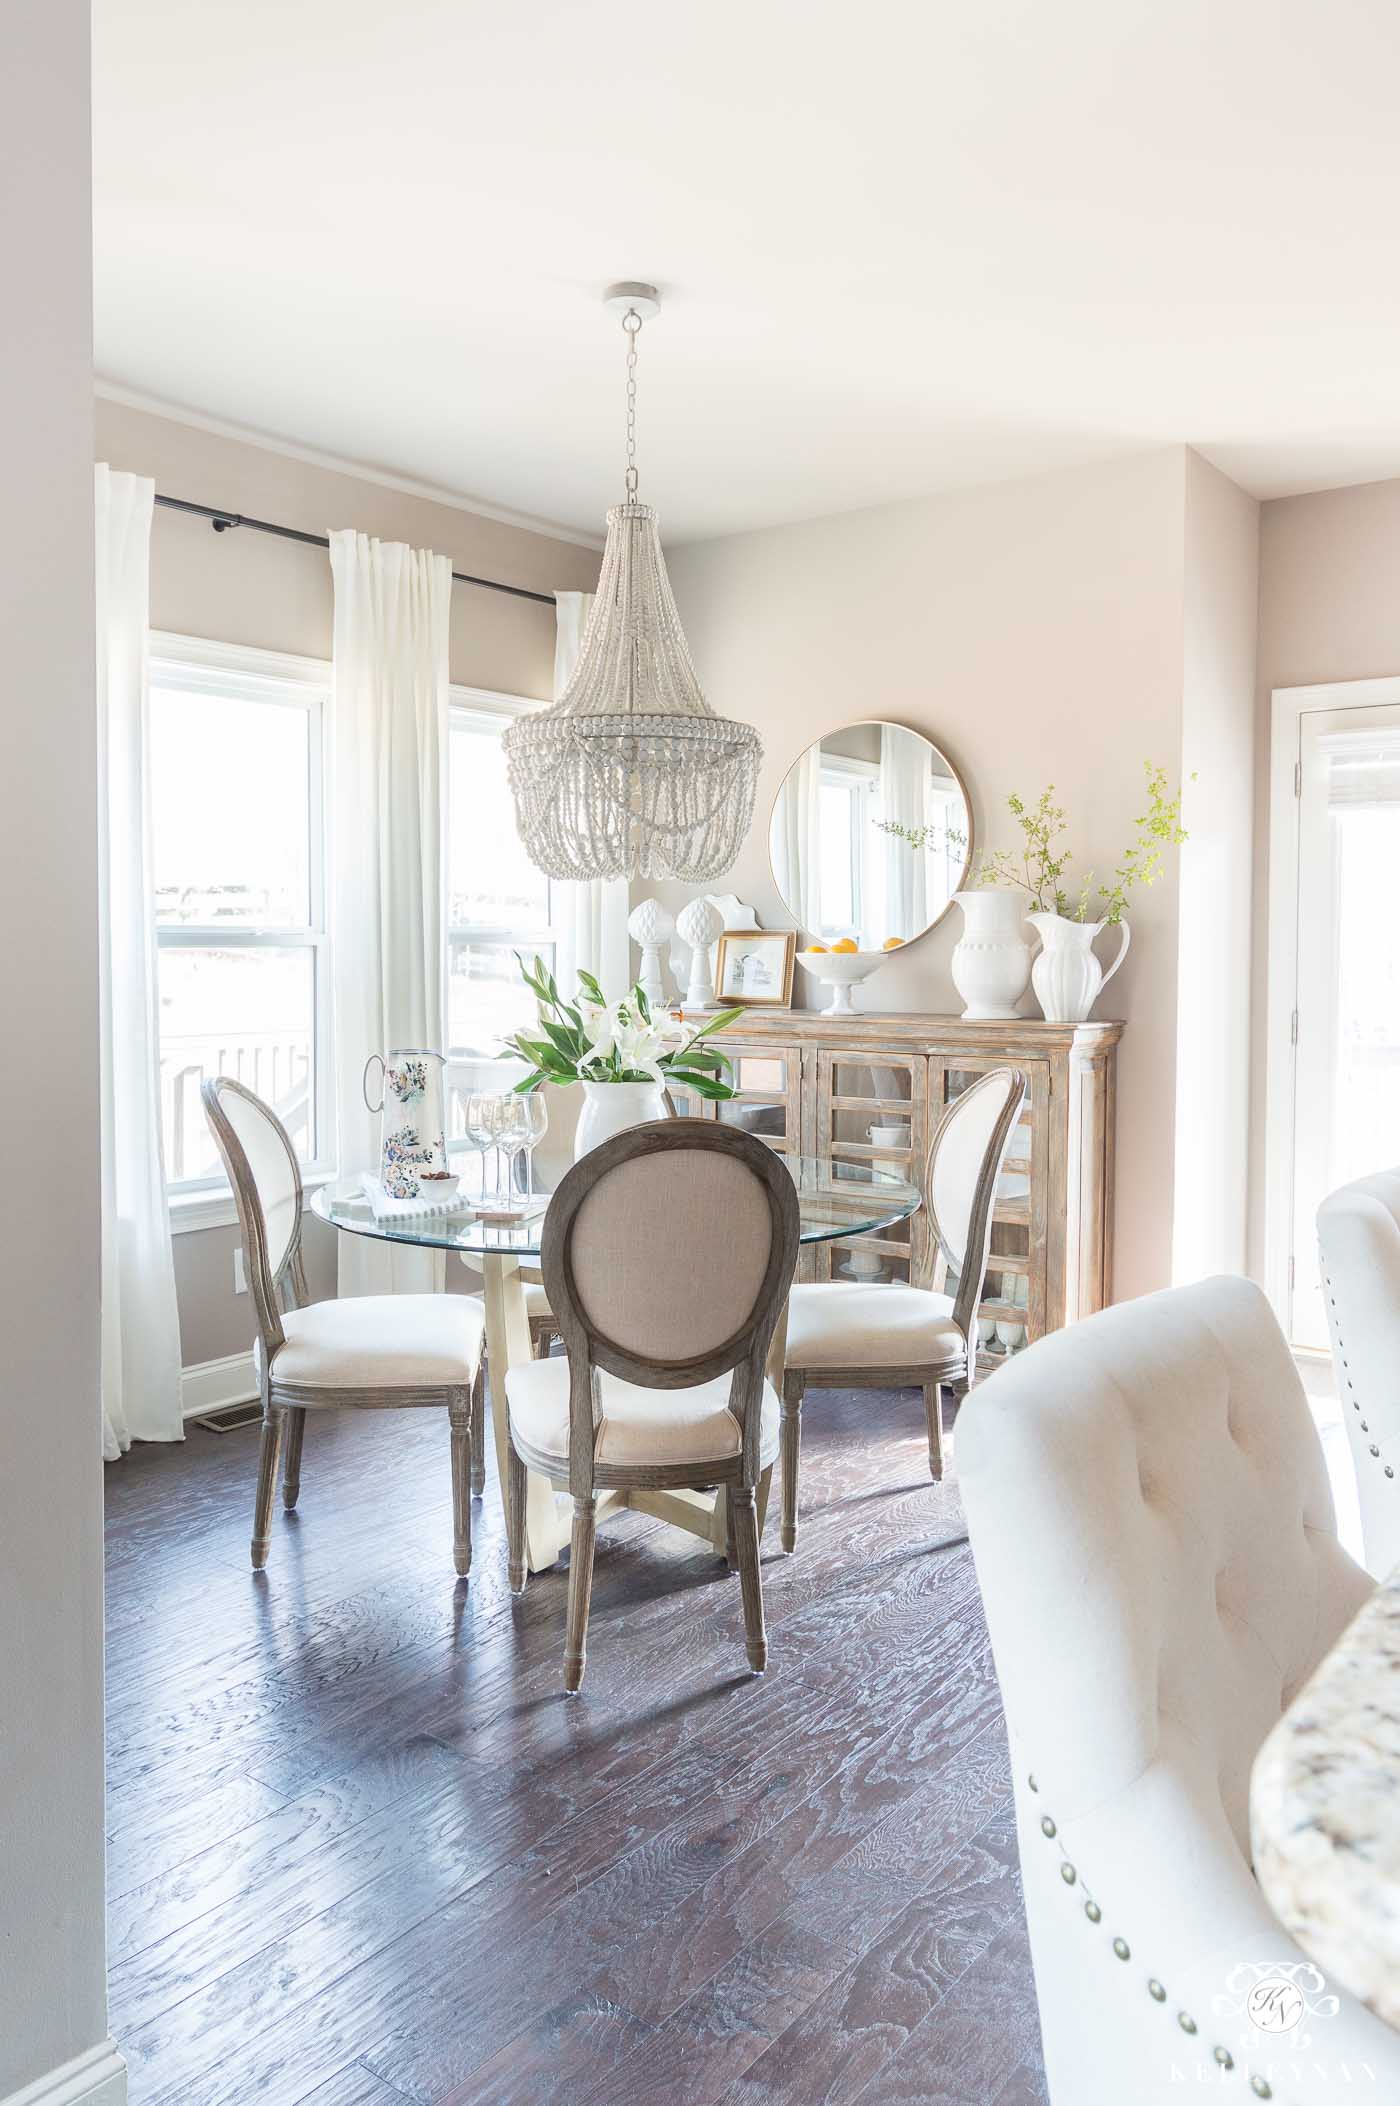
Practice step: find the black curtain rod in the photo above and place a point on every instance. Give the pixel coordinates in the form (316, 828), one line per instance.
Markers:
(224, 522)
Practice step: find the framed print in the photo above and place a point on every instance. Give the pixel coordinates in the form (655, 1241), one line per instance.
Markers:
(755, 967)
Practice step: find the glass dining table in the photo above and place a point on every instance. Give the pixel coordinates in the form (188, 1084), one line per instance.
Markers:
(835, 1199)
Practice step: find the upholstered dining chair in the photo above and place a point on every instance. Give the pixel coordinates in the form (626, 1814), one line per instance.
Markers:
(877, 1335)
(667, 1253)
(367, 1352)
(1158, 1559)
(1358, 1235)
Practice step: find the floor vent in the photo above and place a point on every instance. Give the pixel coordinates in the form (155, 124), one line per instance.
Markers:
(232, 1419)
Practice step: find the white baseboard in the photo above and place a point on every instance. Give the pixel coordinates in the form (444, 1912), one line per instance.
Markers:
(96, 2078)
(212, 1385)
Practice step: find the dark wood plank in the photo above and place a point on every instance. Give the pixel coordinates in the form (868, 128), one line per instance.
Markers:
(353, 2086)
(364, 1850)
(842, 2048)
(970, 2046)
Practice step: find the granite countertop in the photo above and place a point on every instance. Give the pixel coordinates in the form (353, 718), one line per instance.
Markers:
(1325, 1810)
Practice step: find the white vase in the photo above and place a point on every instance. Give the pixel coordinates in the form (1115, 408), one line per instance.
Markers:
(611, 1107)
(1066, 976)
(992, 962)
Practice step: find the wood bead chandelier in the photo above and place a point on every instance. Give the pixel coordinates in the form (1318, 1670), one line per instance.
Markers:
(631, 773)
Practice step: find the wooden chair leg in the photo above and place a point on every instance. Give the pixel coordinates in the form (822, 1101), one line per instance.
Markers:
(268, 1456)
(580, 1593)
(541, 1333)
(459, 1419)
(741, 1499)
(479, 1431)
(291, 1467)
(933, 1412)
(794, 1388)
(515, 1517)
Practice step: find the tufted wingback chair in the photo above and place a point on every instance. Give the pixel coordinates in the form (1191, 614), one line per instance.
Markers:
(1358, 1233)
(1158, 1557)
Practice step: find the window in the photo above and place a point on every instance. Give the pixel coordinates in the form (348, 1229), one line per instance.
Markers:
(239, 882)
(497, 902)
(849, 802)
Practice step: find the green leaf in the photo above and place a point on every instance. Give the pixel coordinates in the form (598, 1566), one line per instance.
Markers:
(567, 1042)
(720, 1022)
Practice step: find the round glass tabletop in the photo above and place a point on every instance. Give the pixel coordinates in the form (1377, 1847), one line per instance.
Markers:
(834, 1199)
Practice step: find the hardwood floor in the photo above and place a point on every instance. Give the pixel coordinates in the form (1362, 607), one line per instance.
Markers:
(363, 1849)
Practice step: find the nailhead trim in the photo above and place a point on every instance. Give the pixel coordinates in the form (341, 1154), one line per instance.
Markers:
(1071, 1876)
(1356, 1406)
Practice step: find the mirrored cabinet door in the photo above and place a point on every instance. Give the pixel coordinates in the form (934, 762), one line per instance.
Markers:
(769, 1101)
(871, 1108)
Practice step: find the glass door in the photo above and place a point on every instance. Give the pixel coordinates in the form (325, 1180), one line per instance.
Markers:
(1346, 1018)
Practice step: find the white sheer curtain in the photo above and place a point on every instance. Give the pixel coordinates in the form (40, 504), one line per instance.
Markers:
(140, 1321)
(592, 917)
(904, 779)
(389, 735)
(797, 837)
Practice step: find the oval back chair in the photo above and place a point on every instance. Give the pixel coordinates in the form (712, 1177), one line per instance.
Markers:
(667, 1254)
(366, 1352)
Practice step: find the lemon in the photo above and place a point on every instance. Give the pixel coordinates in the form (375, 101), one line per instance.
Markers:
(846, 946)
(892, 943)
(816, 947)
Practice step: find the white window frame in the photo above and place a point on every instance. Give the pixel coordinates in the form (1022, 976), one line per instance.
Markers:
(200, 665)
(1289, 706)
(491, 709)
(861, 780)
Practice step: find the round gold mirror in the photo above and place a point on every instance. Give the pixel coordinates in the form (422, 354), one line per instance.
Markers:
(871, 836)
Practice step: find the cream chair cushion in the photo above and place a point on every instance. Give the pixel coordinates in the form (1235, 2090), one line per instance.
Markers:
(1159, 1563)
(845, 1323)
(638, 1425)
(382, 1341)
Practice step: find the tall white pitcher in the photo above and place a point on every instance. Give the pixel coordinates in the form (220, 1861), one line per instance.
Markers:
(413, 1137)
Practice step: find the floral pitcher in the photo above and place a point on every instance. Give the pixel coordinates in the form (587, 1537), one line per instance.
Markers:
(415, 1128)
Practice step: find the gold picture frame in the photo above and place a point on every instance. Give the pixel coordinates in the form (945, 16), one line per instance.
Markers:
(754, 968)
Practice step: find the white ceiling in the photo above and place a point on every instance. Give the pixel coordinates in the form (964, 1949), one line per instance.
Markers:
(906, 245)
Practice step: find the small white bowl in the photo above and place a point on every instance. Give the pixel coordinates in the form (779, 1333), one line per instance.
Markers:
(436, 1189)
(841, 971)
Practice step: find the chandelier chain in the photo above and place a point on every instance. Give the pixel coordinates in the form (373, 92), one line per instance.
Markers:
(632, 327)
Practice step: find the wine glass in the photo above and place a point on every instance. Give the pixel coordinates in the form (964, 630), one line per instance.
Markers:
(479, 1132)
(536, 1113)
(514, 1131)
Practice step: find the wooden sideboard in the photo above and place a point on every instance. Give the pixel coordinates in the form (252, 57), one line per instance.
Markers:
(817, 1084)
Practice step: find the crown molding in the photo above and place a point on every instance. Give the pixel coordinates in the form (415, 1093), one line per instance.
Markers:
(337, 464)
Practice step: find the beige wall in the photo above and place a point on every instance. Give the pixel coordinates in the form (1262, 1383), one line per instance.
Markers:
(1221, 620)
(1037, 632)
(1329, 609)
(52, 1994)
(249, 588)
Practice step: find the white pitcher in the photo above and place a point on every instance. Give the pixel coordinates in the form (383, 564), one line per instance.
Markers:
(414, 1132)
(992, 962)
(1066, 976)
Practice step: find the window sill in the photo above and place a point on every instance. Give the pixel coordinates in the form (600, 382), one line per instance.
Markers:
(191, 1212)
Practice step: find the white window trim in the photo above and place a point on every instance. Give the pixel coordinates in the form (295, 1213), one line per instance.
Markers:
(1289, 705)
(465, 1070)
(842, 771)
(202, 665)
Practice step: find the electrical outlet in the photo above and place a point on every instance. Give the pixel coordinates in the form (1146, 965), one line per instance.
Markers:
(240, 1277)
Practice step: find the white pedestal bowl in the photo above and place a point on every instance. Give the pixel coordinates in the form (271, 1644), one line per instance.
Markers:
(841, 971)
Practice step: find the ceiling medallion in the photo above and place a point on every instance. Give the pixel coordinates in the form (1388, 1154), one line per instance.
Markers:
(631, 773)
